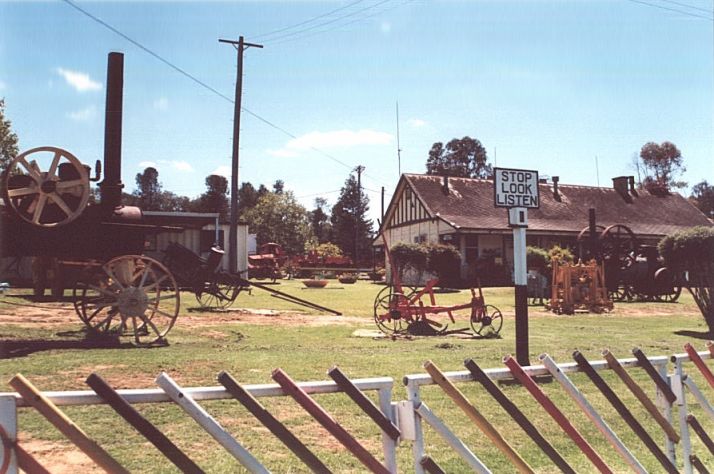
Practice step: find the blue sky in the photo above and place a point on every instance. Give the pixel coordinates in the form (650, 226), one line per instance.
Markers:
(544, 84)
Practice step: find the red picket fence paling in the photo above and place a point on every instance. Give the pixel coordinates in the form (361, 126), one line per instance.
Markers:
(555, 413)
(329, 423)
(694, 356)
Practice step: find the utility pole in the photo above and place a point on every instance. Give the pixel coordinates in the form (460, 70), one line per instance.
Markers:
(240, 47)
(358, 210)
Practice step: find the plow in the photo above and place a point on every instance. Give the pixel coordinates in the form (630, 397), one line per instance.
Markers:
(402, 309)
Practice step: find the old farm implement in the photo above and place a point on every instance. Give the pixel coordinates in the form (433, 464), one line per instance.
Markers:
(401, 309)
(217, 289)
(633, 271)
(48, 215)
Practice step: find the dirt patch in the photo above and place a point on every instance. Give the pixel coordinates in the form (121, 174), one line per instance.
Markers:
(57, 457)
(266, 317)
(50, 315)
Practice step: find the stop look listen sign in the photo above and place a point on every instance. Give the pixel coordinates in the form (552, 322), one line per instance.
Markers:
(516, 188)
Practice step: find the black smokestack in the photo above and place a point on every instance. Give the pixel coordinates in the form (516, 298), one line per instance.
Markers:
(112, 186)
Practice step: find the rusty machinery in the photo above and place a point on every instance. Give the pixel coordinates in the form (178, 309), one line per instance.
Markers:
(633, 271)
(49, 214)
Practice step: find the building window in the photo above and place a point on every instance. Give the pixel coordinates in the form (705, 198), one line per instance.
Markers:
(470, 248)
(420, 239)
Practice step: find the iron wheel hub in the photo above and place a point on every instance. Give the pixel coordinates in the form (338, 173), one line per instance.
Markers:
(133, 302)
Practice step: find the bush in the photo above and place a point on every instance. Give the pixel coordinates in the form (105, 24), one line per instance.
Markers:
(537, 259)
(409, 256)
(692, 251)
(563, 255)
(328, 249)
(445, 261)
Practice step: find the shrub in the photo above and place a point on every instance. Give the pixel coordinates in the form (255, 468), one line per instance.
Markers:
(409, 256)
(692, 251)
(563, 255)
(537, 259)
(445, 261)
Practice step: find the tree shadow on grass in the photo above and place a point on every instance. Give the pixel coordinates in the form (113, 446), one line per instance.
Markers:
(13, 348)
(704, 335)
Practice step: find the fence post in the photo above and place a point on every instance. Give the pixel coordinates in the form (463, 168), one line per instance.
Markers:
(418, 443)
(389, 445)
(666, 406)
(677, 382)
(8, 425)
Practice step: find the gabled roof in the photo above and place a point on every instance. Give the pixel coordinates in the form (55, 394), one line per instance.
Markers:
(469, 206)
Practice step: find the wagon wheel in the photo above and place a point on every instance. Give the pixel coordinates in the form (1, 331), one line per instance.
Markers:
(622, 293)
(216, 295)
(132, 295)
(584, 239)
(381, 302)
(46, 186)
(388, 317)
(618, 243)
(667, 282)
(487, 321)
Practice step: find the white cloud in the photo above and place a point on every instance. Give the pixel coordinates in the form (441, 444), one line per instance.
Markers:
(83, 115)
(79, 80)
(162, 103)
(386, 27)
(223, 170)
(334, 139)
(416, 123)
(182, 165)
(147, 164)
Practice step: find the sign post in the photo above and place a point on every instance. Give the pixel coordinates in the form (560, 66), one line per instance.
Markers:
(517, 190)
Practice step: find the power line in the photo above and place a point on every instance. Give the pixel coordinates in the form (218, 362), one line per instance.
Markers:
(312, 27)
(685, 5)
(362, 18)
(199, 82)
(306, 21)
(662, 7)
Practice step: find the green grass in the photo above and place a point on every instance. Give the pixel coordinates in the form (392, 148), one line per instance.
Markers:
(251, 351)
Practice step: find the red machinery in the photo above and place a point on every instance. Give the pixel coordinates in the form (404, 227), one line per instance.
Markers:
(267, 262)
(400, 309)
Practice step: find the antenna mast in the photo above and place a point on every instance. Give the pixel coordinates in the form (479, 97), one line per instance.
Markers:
(399, 149)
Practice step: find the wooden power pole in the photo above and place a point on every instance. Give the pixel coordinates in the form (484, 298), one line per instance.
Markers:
(240, 47)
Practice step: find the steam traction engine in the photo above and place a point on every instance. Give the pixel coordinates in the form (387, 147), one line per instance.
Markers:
(48, 214)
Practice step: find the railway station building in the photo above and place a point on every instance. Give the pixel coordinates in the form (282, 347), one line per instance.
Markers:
(461, 212)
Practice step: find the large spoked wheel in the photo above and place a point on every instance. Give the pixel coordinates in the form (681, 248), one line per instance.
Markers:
(216, 296)
(131, 295)
(390, 313)
(487, 321)
(46, 186)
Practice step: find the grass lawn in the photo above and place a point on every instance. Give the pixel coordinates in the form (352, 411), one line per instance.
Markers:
(49, 347)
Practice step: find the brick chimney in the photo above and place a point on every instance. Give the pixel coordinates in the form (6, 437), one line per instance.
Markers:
(556, 192)
(620, 184)
(445, 185)
(633, 191)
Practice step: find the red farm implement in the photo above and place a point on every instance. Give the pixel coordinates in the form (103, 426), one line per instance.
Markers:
(402, 309)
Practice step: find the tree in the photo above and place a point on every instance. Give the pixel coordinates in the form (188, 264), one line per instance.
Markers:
(148, 190)
(8, 139)
(691, 252)
(661, 163)
(464, 158)
(320, 221)
(351, 229)
(279, 186)
(215, 199)
(280, 218)
(703, 197)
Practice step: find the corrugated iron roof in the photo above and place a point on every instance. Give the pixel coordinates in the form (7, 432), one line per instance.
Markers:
(469, 206)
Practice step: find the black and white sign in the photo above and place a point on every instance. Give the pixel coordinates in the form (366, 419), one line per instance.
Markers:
(516, 188)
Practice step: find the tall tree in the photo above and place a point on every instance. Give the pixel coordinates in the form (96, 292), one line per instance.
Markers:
(320, 221)
(247, 197)
(8, 139)
(280, 218)
(279, 186)
(661, 163)
(148, 190)
(215, 199)
(352, 230)
(463, 158)
(703, 197)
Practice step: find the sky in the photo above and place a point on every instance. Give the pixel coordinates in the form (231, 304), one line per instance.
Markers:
(567, 88)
